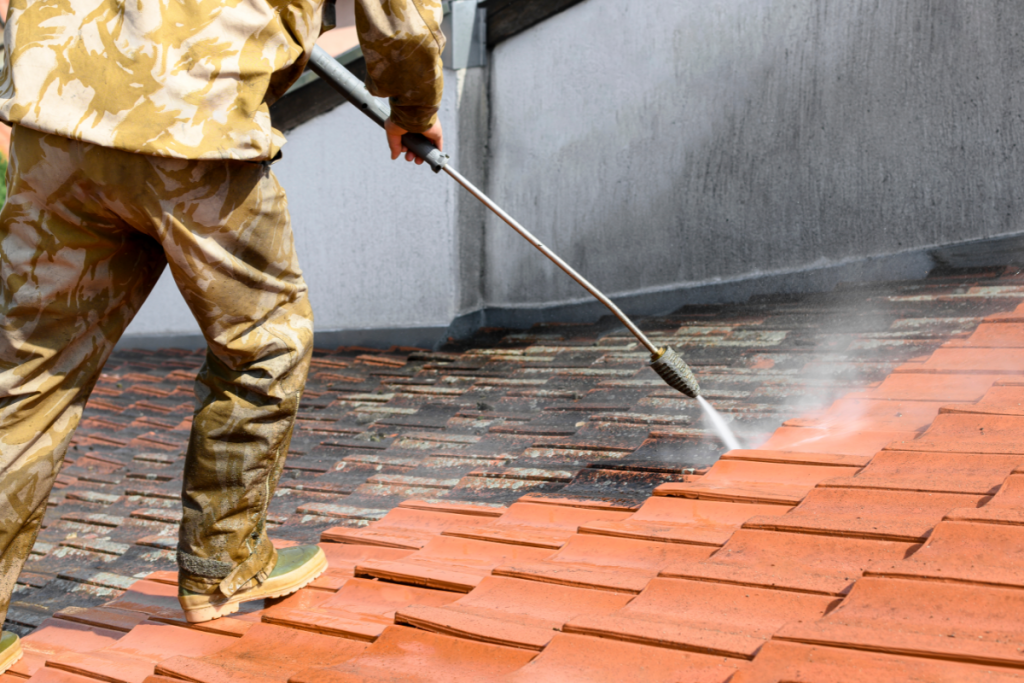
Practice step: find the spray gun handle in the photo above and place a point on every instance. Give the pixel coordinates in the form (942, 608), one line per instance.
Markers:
(423, 148)
(352, 89)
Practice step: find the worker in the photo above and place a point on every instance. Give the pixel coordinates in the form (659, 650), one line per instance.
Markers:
(142, 137)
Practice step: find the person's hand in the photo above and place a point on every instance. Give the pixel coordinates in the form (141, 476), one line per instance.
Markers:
(395, 133)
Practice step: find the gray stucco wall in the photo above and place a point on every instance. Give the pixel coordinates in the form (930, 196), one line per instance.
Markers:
(674, 142)
(374, 235)
(675, 151)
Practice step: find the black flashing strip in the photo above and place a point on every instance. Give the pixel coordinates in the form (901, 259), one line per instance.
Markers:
(507, 18)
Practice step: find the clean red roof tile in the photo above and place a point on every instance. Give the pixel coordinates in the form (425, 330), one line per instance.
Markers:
(968, 434)
(867, 513)
(873, 415)
(149, 597)
(616, 505)
(450, 563)
(1006, 507)
(455, 507)
(684, 520)
(342, 560)
(599, 660)
(265, 654)
(1016, 315)
(102, 617)
(802, 562)
(991, 554)
(993, 335)
(166, 576)
(56, 636)
(533, 524)
(512, 612)
(133, 657)
(972, 361)
(47, 675)
(414, 656)
(405, 528)
(930, 387)
(962, 622)
(700, 616)
(933, 472)
(1001, 399)
(754, 482)
(783, 662)
(798, 458)
(606, 562)
(302, 599)
(361, 610)
(851, 442)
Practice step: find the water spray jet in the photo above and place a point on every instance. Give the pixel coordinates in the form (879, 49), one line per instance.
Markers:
(719, 425)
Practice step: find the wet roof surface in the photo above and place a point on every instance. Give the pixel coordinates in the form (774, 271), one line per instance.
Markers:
(538, 506)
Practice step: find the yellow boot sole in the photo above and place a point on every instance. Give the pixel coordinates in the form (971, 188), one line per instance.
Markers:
(10, 651)
(200, 608)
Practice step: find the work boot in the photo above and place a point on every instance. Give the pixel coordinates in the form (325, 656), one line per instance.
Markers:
(296, 567)
(10, 650)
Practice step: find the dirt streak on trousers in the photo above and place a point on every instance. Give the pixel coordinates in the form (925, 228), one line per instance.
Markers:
(84, 236)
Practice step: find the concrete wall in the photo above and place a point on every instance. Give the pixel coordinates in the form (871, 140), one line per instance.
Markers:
(675, 151)
(374, 236)
(668, 143)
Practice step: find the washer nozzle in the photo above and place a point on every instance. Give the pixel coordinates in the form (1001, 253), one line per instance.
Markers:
(674, 370)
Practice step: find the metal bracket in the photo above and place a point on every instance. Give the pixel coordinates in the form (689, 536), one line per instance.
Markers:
(465, 26)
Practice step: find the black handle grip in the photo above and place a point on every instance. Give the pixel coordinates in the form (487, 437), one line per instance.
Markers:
(342, 80)
(419, 145)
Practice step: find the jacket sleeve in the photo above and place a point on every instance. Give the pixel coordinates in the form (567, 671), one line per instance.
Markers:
(402, 43)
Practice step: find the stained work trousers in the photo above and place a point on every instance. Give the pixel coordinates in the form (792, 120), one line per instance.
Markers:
(84, 236)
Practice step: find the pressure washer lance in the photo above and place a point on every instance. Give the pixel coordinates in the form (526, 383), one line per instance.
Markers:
(666, 362)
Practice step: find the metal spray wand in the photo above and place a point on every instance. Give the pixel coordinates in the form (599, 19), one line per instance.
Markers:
(665, 361)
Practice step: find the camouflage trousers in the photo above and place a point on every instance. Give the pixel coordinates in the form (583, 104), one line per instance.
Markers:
(84, 236)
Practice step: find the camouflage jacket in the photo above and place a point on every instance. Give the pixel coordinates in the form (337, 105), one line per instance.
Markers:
(194, 79)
